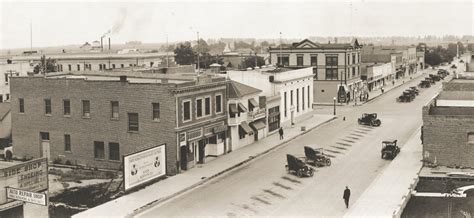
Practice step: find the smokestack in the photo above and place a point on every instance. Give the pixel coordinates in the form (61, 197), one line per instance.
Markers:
(109, 43)
(101, 44)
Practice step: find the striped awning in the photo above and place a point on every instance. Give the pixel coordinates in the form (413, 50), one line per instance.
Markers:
(242, 108)
(258, 125)
(246, 127)
(253, 102)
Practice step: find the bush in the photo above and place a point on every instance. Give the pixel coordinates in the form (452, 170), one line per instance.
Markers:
(68, 162)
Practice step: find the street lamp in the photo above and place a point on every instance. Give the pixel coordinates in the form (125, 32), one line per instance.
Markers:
(334, 99)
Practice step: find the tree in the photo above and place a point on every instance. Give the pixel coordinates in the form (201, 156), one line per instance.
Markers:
(202, 48)
(184, 54)
(45, 66)
(250, 61)
(432, 58)
(206, 59)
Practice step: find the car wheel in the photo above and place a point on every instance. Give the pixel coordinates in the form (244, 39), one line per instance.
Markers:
(358, 121)
(379, 123)
(299, 173)
(328, 162)
(311, 173)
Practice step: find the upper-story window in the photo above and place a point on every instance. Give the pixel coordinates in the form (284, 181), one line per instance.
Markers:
(78, 67)
(199, 107)
(22, 105)
(218, 103)
(113, 66)
(186, 110)
(331, 60)
(284, 61)
(67, 107)
(86, 108)
(115, 109)
(69, 67)
(47, 106)
(314, 60)
(348, 59)
(156, 111)
(133, 122)
(299, 60)
(207, 106)
(353, 58)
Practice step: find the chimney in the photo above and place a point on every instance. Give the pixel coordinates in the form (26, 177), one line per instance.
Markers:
(123, 78)
(109, 43)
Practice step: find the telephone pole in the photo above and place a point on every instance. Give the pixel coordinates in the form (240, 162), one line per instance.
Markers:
(31, 35)
(199, 68)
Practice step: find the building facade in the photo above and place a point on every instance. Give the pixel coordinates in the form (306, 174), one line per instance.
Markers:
(95, 120)
(448, 126)
(377, 75)
(8, 70)
(336, 67)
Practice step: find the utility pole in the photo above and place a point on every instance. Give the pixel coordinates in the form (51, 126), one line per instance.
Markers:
(31, 36)
(199, 68)
(281, 56)
(167, 47)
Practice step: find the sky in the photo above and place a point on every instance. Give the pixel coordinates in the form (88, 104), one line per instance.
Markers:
(56, 23)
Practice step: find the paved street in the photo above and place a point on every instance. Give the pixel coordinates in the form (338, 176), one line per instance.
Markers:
(263, 187)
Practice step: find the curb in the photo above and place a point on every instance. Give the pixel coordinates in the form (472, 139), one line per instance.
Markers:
(203, 181)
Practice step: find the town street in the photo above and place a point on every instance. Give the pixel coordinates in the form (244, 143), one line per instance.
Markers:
(263, 187)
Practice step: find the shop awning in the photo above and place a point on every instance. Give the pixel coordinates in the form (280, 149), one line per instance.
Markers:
(246, 127)
(242, 108)
(258, 125)
(343, 87)
(233, 108)
(253, 102)
(219, 129)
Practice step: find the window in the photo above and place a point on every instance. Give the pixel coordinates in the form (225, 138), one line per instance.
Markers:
(22, 105)
(113, 66)
(285, 61)
(78, 67)
(47, 106)
(1, 98)
(285, 103)
(133, 122)
(6, 78)
(115, 109)
(44, 136)
(314, 60)
(470, 137)
(315, 73)
(121, 66)
(348, 59)
(353, 58)
(156, 111)
(86, 108)
(353, 71)
(331, 73)
(308, 98)
(331, 60)
(69, 67)
(7, 97)
(66, 107)
(186, 110)
(299, 60)
(100, 66)
(218, 103)
(114, 151)
(67, 142)
(291, 98)
(131, 65)
(151, 64)
(207, 104)
(302, 97)
(297, 100)
(198, 107)
(99, 151)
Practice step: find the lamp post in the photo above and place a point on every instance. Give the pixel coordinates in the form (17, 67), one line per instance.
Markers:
(334, 99)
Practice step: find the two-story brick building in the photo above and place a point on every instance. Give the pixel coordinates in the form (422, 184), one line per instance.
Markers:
(94, 119)
(336, 66)
(448, 126)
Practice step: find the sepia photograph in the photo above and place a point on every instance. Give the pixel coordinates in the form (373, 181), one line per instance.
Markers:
(236, 108)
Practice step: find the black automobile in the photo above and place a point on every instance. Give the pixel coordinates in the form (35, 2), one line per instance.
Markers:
(389, 149)
(435, 77)
(298, 167)
(316, 157)
(425, 84)
(369, 119)
(407, 96)
(414, 90)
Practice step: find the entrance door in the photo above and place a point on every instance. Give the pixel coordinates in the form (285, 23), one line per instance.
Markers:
(184, 157)
(45, 150)
(202, 151)
(292, 117)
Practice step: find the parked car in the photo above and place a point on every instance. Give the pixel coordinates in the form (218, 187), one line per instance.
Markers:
(425, 84)
(316, 157)
(430, 79)
(389, 149)
(414, 89)
(406, 96)
(297, 167)
(369, 119)
(435, 77)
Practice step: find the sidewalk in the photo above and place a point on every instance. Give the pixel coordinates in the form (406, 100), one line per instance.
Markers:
(152, 195)
(387, 192)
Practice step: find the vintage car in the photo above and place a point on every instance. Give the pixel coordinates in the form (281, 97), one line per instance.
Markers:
(432, 81)
(369, 119)
(389, 149)
(298, 167)
(435, 77)
(316, 157)
(424, 84)
(407, 96)
(414, 89)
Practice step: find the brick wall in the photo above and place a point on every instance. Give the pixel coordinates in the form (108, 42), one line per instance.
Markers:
(445, 137)
(135, 98)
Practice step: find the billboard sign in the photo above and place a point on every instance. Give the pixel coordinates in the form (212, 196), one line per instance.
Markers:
(144, 166)
(27, 196)
(30, 176)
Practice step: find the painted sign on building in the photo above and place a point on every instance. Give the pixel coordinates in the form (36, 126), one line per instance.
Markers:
(26, 196)
(30, 176)
(144, 166)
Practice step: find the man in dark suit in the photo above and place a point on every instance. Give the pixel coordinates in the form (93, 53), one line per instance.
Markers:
(347, 195)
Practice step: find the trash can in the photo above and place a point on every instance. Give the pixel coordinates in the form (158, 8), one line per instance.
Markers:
(303, 128)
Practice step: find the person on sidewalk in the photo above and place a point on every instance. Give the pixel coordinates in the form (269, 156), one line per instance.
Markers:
(281, 133)
(393, 82)
(382, 90)
(346, 196)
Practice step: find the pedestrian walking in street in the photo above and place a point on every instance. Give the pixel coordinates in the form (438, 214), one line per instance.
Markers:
(281, 133)
(393, 82)
(382, 90)
(346, 196)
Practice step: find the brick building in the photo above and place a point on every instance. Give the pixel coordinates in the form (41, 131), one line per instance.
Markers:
(448, 125)
(93, 119)
(336, 66)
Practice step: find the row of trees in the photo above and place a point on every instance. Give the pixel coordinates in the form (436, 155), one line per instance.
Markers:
(438, 55)
(185, 54)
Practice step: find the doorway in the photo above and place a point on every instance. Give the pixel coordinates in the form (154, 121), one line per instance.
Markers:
(184, 157)
(44, 145)
(202, 151)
